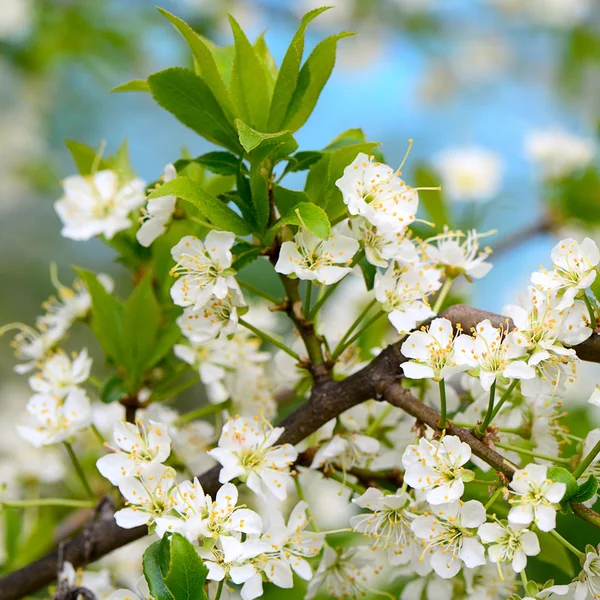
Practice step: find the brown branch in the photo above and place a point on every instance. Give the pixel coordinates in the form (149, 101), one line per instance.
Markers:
(515, 239)
(328, 399)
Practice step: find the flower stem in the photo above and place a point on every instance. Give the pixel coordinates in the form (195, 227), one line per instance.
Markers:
(258, 292)
(591, 311)
(567, 544)
(334, 531)
(374, 426)
(49, 502)
(354, 325)
(322, 299)
(587, 461)
(489, 483)
(442, 295)
(220, 589)
(79, 470)
(524, 580)
(199, 413)
(494, 497)
(442, 422)
(339, 350)
(556, 459)
(302, 497)
(98, 435)
(490, 411)
(270, 339)
(175, 391)
(504, 398)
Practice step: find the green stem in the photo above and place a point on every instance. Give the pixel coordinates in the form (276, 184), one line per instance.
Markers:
(199, 413)
(374, 426)
(48, 502)
(355, 487)
(364, 328)
(504, 398)
(220, 589)
(534, 454)
(490, 411)
(322, 299)
(567, 544)
(98, 435)
(175, 391)
(524, 580)
(356, 323)
(308, 297)
(514, 430)
(95, 382)
(587, 461)
(302, 497)
(494, 497)
(270, 339)
(487, 482)
(334, 531)
(591, 311)
(258, 292)
(79, 470)
(442, 295)
(442, 422)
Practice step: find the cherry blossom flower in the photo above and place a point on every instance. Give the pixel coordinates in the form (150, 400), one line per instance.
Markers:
(57, 419)
(489, 582)
(148, 496)
(509, 543)
(536, 497)
(97, 582)
(436, 468)
(136, 447)
(98, 204)
(346, 451)
(376, 192)
(219, 317)
(574, 270)
(449, 533)
(311, 258)
(61, 375)
(246, 450)
(459, 256)
(588, 583)
(203, 270)
(493, 354)
(401, 291)
(387, 523)
(157, 213)
(33, 346)
(432, 351)
(427, 588)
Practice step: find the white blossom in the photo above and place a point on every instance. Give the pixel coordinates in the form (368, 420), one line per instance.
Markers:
(588, 583)
(157, 213)
(509, 543)
(33, 346)
(469, 174)
(97, 582)
(311, 258)
(203, 270)
(535, 497)
(574, 270)
(247, 450)
(436, 468)
(427, 588)
(376, 192)
(57, 419)
(432, 351)
(136, 447)
(98, 204)
(61, 375)
(449, 533)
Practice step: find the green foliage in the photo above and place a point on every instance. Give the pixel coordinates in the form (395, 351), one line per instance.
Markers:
(220, 163)
(113, 389)
(135, 85)
(174, 571)
(561, 474)
(578, 196)
(304, 214)
(586, 491)
(434, 202)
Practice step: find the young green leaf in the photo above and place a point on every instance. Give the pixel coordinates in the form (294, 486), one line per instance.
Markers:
(206, 64)
(85, 157)
(220, 163)
(346, 138)
(312, 78)
(168, 336)
(244, 254)
(305, 214)
(219, 214)
(369, 271)
(156, 561)
(113, 389)
(189, 99)
(302, 161)
(287, 80)
(187, 573)
(249, 80)
(562, 475)
(286, 200)
(586, 491)
(268, 62)
(135, 85)
(252, 139)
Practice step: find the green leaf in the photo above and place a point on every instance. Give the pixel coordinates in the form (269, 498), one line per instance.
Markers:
(286, 199)
(206, 64)
(302, 161)
(141, 321)
(562, 475)
(220, 163)
(113, 389)
(119, 162)
(187, 572)
(189, 99)
(369, 271)
(135, 85)
(586, 491)
(304, 214)
(268, 62)
(433, 201)
(251, 139)
(168, 336)
(107, 314)
(554, 553)
(287, 80)
(244, 254)
(312, 77)
(346, 138)
(249, 80)
(155, 562)
(84, 157)
(219, 214)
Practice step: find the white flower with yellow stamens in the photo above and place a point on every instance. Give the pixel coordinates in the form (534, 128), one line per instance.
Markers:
(311, 258)
(203, 270)
(509, 544)
(61, 374)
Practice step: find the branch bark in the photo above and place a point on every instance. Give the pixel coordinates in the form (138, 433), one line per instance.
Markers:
(328, 399)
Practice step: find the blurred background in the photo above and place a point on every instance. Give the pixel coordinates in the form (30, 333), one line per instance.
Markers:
(501, 98)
